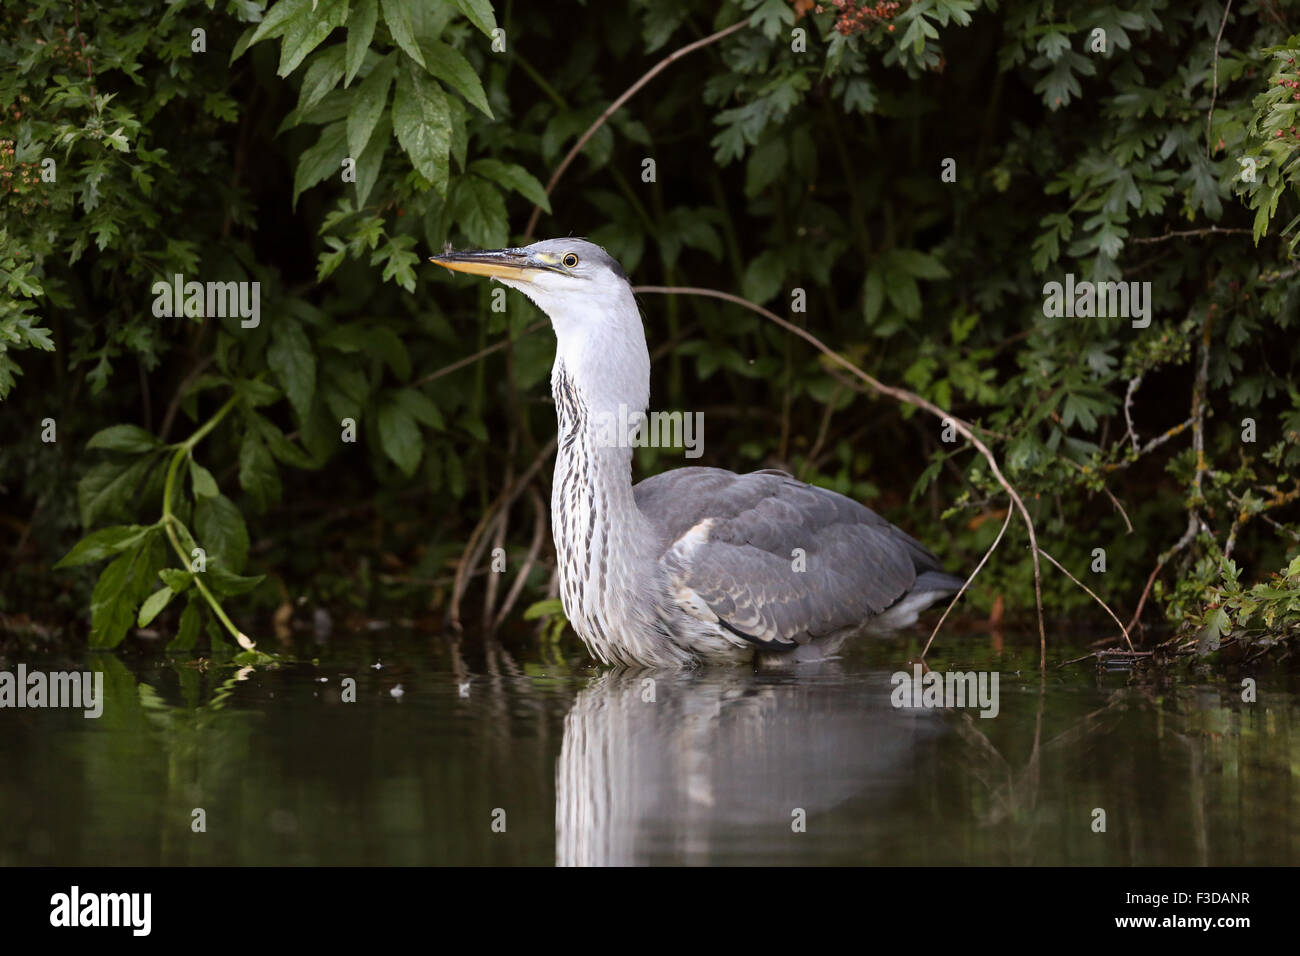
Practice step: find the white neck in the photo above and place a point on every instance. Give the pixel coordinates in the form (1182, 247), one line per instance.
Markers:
(607, 550)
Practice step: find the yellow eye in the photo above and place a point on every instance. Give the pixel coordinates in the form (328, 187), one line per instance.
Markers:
(569, 260)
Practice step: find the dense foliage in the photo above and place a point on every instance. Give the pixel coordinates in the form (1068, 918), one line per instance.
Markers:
(912, 173)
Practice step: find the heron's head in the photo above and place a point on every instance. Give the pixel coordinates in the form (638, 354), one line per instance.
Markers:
(588, 299)
(567, 278)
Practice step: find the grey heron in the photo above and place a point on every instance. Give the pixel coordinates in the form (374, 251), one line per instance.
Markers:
(694, 564)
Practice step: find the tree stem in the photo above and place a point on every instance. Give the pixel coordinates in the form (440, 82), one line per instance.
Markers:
(170, 521)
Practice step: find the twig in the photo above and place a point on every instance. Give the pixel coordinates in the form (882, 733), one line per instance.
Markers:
(1189, 233)
(1278, 501)
(907, 398)
(1133, 385)
(499, 539)
(1199, 391)
(534, 550)
(1268, 278)
(987, 554)
(1114, 617)
(469, 557)
(181, 389)
(822, 432)
(613, 107)
(1151, 580)
(1159, 440)
(1113, 500)
(481, 353)
(1197, 421)
(76, 17)
(1214, 92)
(1097, 655)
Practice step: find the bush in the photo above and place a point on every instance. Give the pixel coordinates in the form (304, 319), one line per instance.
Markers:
(916, 173)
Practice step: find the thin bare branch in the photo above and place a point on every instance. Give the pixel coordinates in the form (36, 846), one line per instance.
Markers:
(1134, 384)
(170, 415)
(1091, 594)
(477, 540)
(1214, 92)
(1188, 234)
(481, 353)
(614, 107)
(534, 550)
(90, 74)
(983, 561)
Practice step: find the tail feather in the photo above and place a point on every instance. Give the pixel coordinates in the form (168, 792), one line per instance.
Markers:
(938, 581)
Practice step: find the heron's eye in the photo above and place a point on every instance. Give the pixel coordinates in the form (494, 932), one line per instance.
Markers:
(569, 260)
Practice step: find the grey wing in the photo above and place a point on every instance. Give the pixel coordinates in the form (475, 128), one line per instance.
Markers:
(776, 560)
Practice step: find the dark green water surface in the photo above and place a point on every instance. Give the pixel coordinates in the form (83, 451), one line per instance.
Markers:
(478, 754)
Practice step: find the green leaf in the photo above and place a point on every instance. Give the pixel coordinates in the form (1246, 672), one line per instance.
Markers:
(321, 160)
(378, 341)
(256, 393)
(280, 446)
(120, 590)
(153, 605)
(221, 533)
(204, 485)
(400, 438)
(368, 104)
(370, 161)
(763, 278)
(873, 296)
(512, 177)
(479, 13)
(361, 29)
(127, 438)
(1217, 624)
(257, 472)
(918, 264)
(243, 43)
(383, 343)
(104, 543)
(110, 613)
(423, 125)
(903, 294)
(190, 625)
(419, 406)
(772, 17)
(322, 76)
(108, 487)
(346, 390)
(397, 15)
(347, 337)
(227, 584)
(176, 579)
(278, 18)
(479, 210)
(545, 608)
(305, 33)
(292, 360)
(766, 165)
(448, 65)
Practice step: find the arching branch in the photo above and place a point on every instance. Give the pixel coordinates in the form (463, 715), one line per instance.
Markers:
(614, 107)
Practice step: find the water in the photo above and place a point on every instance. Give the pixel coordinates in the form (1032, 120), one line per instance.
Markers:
(583, 765)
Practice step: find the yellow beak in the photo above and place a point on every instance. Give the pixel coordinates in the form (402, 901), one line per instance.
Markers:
(515, 264)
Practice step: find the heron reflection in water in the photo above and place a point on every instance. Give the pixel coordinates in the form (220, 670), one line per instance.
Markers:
(717, 765)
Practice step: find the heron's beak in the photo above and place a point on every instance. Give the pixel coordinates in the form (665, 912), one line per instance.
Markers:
(514, 264)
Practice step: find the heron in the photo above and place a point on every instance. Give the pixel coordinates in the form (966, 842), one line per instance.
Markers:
(695, 565)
